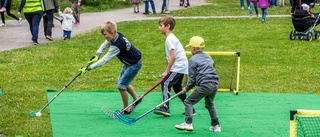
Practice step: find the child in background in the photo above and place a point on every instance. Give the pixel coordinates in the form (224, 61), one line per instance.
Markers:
(253, 4)
(177, 64)
(67, 22)
(264, 4)
(306, 8)
(202, 74)
(135, 5)
(120, 47)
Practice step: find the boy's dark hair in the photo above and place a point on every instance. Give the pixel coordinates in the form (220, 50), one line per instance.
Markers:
(168, 20)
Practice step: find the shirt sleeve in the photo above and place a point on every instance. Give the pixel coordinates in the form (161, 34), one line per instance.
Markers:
(113, 52)
(102, 47)
(23, 2)
(192, 76)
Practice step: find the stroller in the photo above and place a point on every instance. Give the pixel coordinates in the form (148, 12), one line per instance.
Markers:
(304, 25)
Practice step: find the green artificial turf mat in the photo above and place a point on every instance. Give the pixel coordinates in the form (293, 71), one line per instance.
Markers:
(78, 114)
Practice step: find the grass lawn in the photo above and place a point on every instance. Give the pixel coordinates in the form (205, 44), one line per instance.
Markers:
(270, 61)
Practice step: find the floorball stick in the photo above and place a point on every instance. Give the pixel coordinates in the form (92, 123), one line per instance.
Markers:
(39, 113)
(130, 121)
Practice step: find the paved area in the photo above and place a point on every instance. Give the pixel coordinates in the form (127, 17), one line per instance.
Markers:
(15, 36)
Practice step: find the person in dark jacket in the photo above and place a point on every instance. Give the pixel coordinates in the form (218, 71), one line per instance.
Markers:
(297, 4)
(120, 47)
(50, 6)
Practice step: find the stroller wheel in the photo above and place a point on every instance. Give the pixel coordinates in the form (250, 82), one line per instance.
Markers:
(292, 35)
(317, 35)
(309, 36)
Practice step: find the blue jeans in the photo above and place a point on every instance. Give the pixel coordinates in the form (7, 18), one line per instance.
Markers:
(264, 14)
(242, 3)
(34, 22)
(127, 74)
(67, 34)
(274, 2)
(152, 7)
(255, 6)
(164, 3)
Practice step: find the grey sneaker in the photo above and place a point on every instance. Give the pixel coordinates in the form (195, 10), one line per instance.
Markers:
(49, 38)
(2, 24)
(184, 126)
(162, 111)
(215, 128)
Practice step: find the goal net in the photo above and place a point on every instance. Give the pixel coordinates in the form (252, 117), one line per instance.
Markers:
(227, 67)
(304, 123)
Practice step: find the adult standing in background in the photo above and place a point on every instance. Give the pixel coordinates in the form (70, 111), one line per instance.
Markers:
(6, 7)
(297, 4)
(146, 2)
(75, 6)
(3, 4)
(33, 11)
(50, 6)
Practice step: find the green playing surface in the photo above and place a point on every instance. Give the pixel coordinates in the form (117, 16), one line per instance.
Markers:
(78, 114)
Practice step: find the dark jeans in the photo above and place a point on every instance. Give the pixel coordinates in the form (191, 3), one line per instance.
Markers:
(67, 34)
(152, 7)
(47, 22)
(34, 22)
(164, 4)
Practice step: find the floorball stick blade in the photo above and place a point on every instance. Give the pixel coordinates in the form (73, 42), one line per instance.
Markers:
(32, 114)
(107, 112)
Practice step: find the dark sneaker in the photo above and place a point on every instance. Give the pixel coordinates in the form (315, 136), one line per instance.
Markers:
(135, 104)
(126, 112)
(162, 111)
(194, 113)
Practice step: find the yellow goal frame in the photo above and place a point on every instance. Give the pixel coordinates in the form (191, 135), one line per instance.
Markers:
(235, 91)
(300, 112)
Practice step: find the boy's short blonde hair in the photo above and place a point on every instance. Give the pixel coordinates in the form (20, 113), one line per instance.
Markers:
(67, 10)
(168, 20)
(108, 26)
